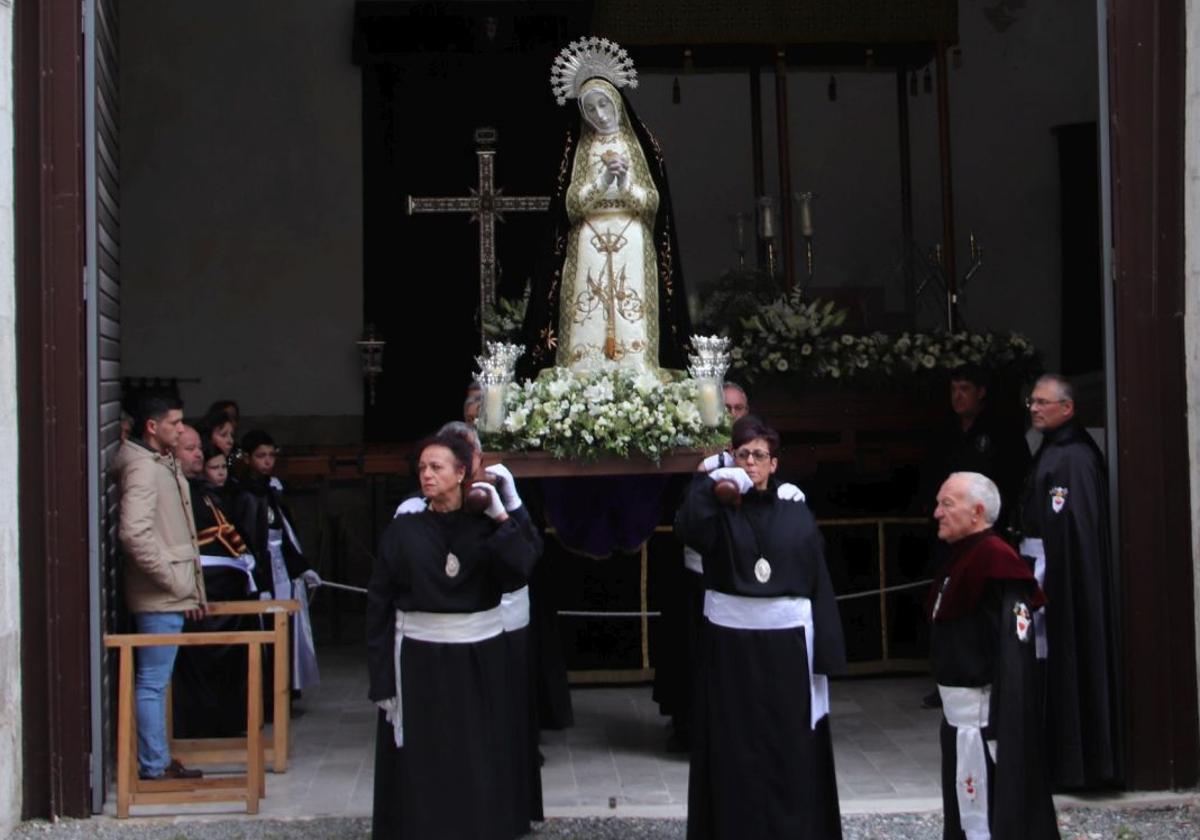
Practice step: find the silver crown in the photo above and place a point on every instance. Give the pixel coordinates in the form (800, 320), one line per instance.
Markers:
(590, 58)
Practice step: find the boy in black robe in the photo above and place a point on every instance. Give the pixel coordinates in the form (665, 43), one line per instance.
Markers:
(981, 605)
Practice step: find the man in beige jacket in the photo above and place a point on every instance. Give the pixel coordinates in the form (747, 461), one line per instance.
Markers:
(163, 578)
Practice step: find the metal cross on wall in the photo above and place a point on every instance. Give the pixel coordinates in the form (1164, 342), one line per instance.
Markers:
(487, 205)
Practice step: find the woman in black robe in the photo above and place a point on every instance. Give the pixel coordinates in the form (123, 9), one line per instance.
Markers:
(209, 695)
(762, 756)
(438, 658)
(518, 638)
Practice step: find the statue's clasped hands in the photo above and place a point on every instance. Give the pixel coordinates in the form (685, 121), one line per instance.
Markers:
(616, 168)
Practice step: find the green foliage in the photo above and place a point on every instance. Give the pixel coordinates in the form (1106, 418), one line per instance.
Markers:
(503, 322)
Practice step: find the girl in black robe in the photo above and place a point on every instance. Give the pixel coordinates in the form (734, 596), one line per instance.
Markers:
(209, 695)
(443, 760)
(762, 756)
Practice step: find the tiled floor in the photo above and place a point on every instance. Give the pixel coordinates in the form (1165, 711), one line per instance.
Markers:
(886, 752)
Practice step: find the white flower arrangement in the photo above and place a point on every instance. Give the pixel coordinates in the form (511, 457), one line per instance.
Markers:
(610, 411)
(809, 354)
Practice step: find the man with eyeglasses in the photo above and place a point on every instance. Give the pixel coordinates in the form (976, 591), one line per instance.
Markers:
(1065, 536)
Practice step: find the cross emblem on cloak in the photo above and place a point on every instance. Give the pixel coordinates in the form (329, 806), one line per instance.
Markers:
(486, 205)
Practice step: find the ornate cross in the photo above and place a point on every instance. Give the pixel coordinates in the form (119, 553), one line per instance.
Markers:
(487, 205)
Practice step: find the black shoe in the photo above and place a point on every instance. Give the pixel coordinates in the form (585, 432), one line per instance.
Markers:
(174, 770)
(933, 700)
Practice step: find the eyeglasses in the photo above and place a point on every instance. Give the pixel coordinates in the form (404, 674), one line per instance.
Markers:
(1041, 403)
(752, 455)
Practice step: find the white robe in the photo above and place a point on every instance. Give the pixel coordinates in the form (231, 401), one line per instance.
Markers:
(609, 300)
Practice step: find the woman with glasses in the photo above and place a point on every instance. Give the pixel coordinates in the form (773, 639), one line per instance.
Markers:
(762, 757)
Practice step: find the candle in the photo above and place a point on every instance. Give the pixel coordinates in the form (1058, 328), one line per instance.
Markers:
(493, 408)
(806, 223)
(766, 221)
(708, 398)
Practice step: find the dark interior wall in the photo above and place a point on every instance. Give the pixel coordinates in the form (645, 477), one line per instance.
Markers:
(243, 197)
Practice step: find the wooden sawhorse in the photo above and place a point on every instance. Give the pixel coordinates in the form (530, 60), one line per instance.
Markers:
(233, 750)
(131, 790)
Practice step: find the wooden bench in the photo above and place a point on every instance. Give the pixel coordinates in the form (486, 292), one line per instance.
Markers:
(234, 750)
(132, 790)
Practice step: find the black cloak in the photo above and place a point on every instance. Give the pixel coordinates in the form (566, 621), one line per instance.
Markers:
(1065, 503)
(981, 633)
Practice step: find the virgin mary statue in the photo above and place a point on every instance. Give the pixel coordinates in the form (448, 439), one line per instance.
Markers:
(612, 292)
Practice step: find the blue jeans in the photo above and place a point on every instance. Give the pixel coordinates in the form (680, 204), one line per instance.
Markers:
(154, 666)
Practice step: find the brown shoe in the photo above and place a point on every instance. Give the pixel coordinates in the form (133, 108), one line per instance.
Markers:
(175, 770)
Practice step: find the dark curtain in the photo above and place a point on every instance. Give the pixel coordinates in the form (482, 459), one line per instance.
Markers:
(432, 75)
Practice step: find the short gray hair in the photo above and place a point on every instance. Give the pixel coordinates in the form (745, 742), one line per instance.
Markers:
(736, 387)
(465, 431)
(1064, 385)
(981, 490)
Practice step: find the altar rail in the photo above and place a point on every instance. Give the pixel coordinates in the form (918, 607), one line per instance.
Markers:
(883, 587)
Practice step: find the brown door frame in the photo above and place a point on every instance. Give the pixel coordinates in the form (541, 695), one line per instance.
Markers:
(52, 410)
(1146, 65)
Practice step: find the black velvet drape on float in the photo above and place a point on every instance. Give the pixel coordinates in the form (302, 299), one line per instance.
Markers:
(431, 76)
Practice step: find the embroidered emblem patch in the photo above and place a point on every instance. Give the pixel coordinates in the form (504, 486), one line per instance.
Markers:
(452, 565)
(1058, 498)
(969, 787)
(762, 570)
(1024, 620)
(983, 443)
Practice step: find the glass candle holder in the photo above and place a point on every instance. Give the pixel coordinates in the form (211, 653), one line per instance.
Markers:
(710, 400)
(491, 409)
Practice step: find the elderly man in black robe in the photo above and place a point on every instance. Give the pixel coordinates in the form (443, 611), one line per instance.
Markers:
(981, 604)
(1064, 524)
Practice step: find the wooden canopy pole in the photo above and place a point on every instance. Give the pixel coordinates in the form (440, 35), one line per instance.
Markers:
(785, 168)
(756, 143)
(948, 261)
(906, 196)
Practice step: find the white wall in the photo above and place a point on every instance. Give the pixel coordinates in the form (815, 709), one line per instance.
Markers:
(1191, 211)
(241, 204)
(10, 604)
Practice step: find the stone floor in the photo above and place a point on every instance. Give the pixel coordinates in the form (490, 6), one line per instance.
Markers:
(613, 763)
